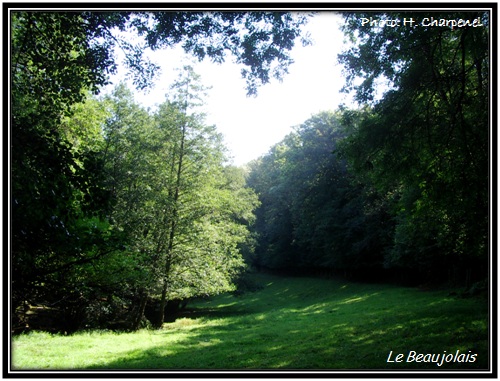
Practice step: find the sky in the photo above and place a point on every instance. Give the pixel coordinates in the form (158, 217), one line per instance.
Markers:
(252, 125)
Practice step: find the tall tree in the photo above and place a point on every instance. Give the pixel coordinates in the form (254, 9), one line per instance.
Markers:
(314, 214)
(426, 139)
(186, 218)
(200, 250)
(273, 226)
(56, 58)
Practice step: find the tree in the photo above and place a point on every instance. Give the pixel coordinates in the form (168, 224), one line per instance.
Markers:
(273, 226)
(314, 214)
(200, 250)
(60, 203)
(61, 227)
(426, 139)
(261, 41)
(53, 64)
(185, 216)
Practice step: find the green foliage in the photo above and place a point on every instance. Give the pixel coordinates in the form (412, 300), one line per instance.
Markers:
(55, 167)
(402, 182)
(85, 195)
(314, 213)
(59, 207)
(425, 141)
(260, 41)
(185, 214)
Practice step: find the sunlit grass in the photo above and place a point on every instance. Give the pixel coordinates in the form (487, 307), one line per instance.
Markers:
(292, 323)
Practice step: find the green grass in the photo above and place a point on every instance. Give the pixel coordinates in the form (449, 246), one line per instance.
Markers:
(292, 323)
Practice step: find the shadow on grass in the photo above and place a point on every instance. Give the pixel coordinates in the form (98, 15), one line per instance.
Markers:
(353, 332)
(222, 312)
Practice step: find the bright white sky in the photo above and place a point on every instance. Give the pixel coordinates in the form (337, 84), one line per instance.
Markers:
(251, 125)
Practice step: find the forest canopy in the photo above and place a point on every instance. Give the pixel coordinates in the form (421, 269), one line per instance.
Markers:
(399, 185)
(119, 213)
(109, 202)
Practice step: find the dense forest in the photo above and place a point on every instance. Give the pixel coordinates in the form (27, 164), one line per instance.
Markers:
(120, 215)
(398, 186)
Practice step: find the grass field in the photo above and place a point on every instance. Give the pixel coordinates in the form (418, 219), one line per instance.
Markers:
(291, 323)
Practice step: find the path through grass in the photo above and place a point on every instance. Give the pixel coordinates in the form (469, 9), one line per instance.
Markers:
(292, 323)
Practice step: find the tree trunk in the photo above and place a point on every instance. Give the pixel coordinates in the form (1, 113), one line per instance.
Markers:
(163, 304)
(174, 217)
(468, 278)
(140, 313)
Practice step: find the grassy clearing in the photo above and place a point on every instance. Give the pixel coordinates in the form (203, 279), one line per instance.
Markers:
(292, 323)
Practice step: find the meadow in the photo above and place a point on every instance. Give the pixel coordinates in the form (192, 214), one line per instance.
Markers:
(289, 323)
